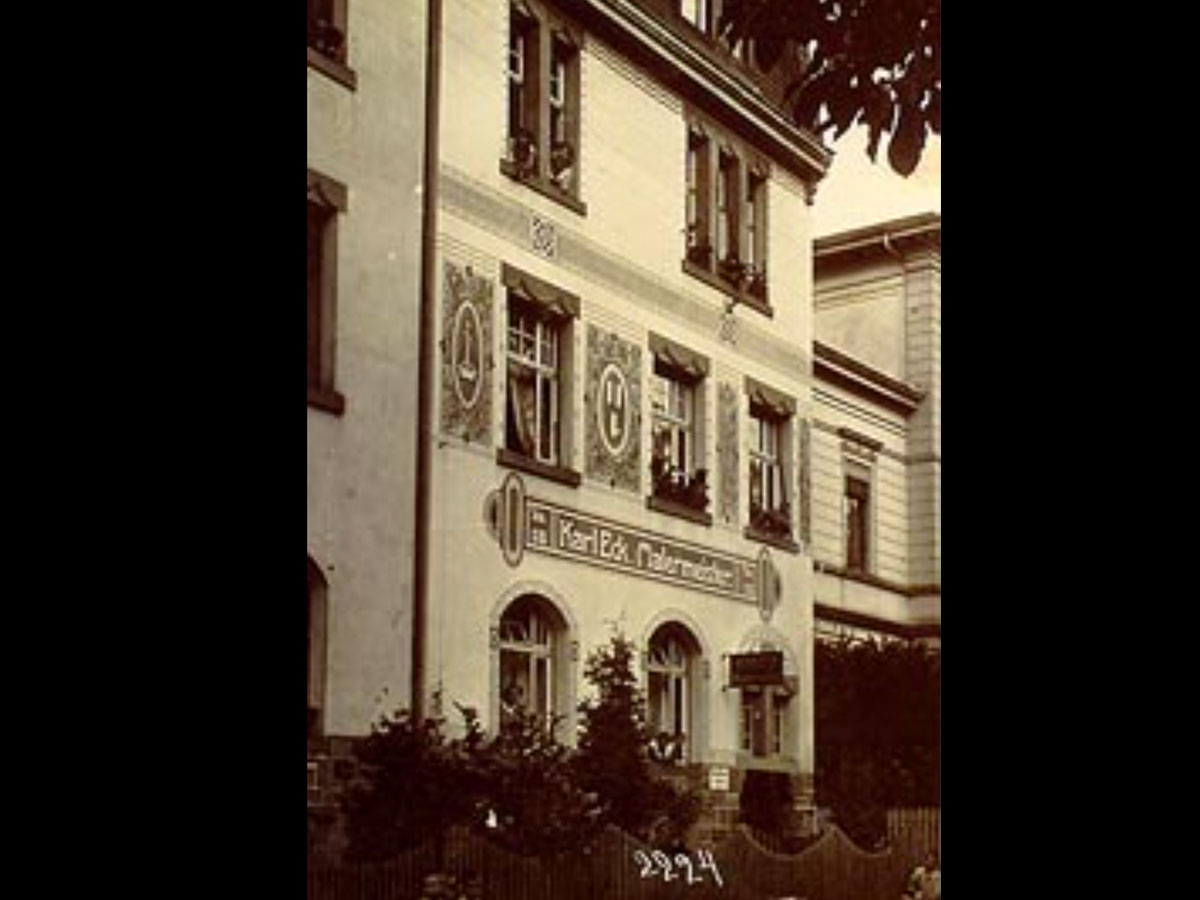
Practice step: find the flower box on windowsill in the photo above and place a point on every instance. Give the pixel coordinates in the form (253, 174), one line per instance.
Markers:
(772, 526)
(740, 294)
(700, 255)
(731, 271)
(521, 165)
(326, 38)
(678, 494)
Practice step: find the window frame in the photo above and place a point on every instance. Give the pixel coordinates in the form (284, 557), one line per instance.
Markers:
(539, 657)
(327, 198)
(726, 197)
(683, 373)
(545, 338)
(534, 155)
(556, 310)
(856, 495)
(775, 412)
(706, 10)
(331, 61)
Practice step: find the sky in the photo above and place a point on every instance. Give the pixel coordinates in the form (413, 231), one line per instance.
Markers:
(857, 192)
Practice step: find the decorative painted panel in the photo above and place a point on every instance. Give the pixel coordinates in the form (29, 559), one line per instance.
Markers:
(466, 354)
(805, 469)
(613, 402)
(728, 444)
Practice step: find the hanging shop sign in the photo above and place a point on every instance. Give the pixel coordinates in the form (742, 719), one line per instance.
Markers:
(752, 669)
(565, 533)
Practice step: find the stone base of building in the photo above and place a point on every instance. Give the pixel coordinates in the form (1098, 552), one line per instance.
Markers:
(330, 766)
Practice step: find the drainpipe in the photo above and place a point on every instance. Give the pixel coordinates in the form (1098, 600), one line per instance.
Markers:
(429, 281)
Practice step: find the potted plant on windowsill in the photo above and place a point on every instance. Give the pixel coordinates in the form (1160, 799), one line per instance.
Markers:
(776, 522)
(562, 164)
(699, 253)
(675, 486)
(522, 152)
(756, 282)
(732, 270)
(325, 37)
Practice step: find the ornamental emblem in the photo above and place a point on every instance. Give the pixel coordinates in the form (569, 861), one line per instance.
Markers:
(466, 361)
(770, 586)
(612, 411)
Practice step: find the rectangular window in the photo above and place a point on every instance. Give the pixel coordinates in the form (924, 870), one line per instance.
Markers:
(754, 722)
(726, 214)
(319, 222)
(671, 405)
(699, 243)
(857, 500)
(543, 102)
(522, 92)
(326, 200)
(771, 416)
(563, 105)
(756, 236)
(327, 28)
(778, 707)
(767, 493)
(726, 204)
(533, 383)
(698, 13)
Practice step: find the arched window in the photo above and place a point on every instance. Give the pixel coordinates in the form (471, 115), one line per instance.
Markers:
(672, 674)
(532, 658)
(317, 590)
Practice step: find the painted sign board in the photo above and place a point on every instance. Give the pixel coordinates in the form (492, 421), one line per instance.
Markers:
(756, 668)
(718, 778)
(566, 533)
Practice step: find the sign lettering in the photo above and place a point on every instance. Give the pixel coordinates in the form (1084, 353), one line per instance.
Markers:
(561, 532)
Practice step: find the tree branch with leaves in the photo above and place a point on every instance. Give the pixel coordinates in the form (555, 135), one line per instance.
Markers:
(876, 63)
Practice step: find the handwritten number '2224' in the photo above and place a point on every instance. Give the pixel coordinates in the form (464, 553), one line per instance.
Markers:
(656, 859)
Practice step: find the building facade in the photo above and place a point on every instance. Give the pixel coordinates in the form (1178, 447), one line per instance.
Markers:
(623, 398)
(365, 94)
(876, 436)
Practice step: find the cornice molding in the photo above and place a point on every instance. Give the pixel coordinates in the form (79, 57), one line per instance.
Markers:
(899, 239)
(859, 378)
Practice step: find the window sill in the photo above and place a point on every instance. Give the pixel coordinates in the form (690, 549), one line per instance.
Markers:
(544, 187)
(327, 399)
(775, 540)
(330, 67)
(700, 273)
(508, 458)
(671, 508)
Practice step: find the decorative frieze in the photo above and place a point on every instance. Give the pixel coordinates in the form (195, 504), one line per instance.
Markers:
(466, 347)
(612, 410)
(805, 469)
(727, 453)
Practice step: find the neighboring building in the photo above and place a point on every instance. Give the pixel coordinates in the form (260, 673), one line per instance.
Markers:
(877, 449)
(365, 90)
(623, 387)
